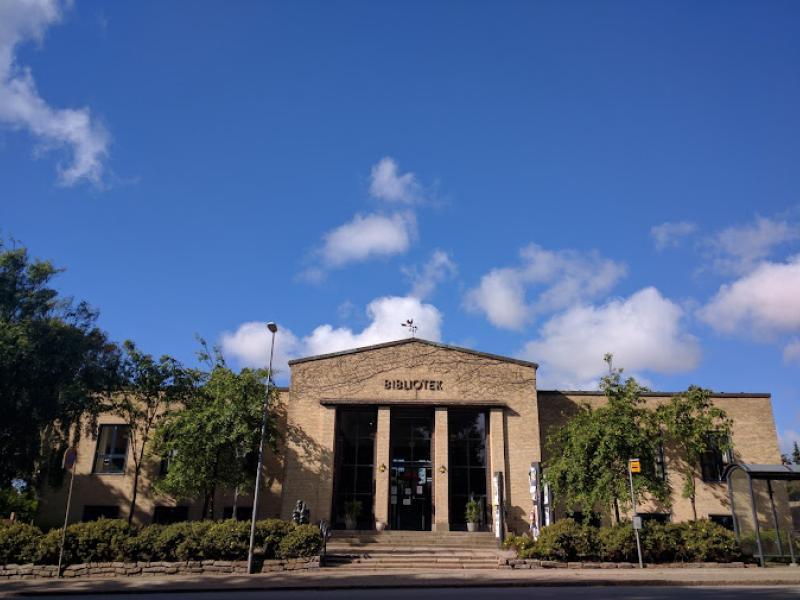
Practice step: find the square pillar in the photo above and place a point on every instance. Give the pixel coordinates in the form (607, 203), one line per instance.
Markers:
(441, 485)
(497, 450)
(382, 464)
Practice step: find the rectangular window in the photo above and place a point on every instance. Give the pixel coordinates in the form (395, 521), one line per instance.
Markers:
(112, 449)
(94, 512)
(164, 515)
(714, 461)
(725, 520)
(354, 466)
(243, 513)
(662, 518)
(468, 476)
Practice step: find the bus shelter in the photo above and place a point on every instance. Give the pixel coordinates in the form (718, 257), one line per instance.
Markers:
(761, 508)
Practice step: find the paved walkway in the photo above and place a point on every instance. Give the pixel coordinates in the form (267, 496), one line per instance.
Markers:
(348, 578)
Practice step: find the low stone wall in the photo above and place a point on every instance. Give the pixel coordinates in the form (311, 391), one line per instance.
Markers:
(153, 569)
(520, 563)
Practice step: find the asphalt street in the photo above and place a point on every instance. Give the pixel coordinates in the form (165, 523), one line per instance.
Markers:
(505, 593)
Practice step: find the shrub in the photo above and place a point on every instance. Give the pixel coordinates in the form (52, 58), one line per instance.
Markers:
(144, 545)
(521, 543)
(18, 543)
(93, 541)
(565, 540)
(302, 540)
(661, 542)
(226, 540)
(269, 534)
(182, 541)
(706, 541)
(616, 544)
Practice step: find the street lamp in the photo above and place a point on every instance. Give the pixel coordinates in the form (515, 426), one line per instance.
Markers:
(273, 328)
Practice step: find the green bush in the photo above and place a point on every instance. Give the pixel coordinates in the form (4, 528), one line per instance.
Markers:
(565, 540)
(18, 543)
(616, 544)
(661, 542)
(227, 540)
(144, 546)
(302, 540)
(269, 534)
(521, 543)
(706, 541)
(93, 541)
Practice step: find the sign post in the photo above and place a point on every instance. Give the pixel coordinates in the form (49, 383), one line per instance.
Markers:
(70, 457)
(635, 466)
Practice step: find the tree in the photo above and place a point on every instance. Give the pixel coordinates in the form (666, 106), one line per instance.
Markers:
(55, 364)
(693, 427)
(796, 454)
(149, 391)
(588, 464)
(213, 442)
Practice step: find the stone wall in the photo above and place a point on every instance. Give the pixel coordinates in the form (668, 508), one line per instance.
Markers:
(154, 569)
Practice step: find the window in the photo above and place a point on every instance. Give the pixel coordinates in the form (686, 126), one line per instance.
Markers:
(164, 515)
(467, 430)
(163, 467)
(590, 518)
(714, 460)
(662, 518)
(243, 513)
(355, 458)
(725, 520)
(112, 449)
(94, 512)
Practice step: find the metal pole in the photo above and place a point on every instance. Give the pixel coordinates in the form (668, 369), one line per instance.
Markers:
(66, 520)
(264, 415)
(635, 531)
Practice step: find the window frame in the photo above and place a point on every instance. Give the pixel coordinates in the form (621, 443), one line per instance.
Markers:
(722, 458)
(98, 454)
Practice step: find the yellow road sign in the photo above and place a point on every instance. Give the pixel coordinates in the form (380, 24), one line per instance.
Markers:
(634, 465)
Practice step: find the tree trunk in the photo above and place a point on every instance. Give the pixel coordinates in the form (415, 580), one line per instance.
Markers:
(137, 469)
(205, 507)
(693, 499)
(616, 511)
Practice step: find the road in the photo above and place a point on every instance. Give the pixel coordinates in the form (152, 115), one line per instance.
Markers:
(505, 593)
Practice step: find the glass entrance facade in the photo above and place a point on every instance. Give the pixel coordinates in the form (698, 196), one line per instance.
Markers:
(467, 429)
(410, 491)
(354, 481)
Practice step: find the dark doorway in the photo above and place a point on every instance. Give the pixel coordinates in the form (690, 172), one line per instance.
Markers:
(354, 487)
(467, 457)
(410, 492)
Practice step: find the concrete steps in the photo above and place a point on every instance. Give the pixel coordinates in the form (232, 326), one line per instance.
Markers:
(425, 550)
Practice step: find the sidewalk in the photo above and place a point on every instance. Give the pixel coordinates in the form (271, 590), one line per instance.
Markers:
(342, 578)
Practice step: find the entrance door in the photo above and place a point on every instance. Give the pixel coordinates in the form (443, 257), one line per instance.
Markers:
(410, 492)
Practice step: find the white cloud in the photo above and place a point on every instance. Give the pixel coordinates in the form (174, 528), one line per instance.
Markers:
(387, 184)
(738, 250)
(564, 278)
(438, 268)
(368, 236)
(21, 107)
(249, 344)
(787, 439)
(791, 352)
(670, 234)
(760, 304)
(644, 332)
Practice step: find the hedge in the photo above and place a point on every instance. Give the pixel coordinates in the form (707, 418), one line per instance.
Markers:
(107, 540)
(566, 540)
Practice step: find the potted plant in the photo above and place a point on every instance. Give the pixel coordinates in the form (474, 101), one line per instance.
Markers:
(473, 514)
(352, 508)
(380, 525)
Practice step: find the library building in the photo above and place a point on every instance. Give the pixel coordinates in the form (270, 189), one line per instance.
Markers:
(401, 436)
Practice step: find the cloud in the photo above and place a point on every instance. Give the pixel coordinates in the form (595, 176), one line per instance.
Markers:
(644, 332)
(670, 234)
(21, 106)
(791, 352)
(438, 268)
(760, 304)
(249, 344)
(738, 250)
(787, 439)
(387, 184)
(366, 237)
(563, 277)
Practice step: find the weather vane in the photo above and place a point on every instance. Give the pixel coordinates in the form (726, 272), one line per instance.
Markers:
(411, 327)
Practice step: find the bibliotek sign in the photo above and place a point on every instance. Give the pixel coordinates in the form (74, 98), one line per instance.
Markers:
(429, 385)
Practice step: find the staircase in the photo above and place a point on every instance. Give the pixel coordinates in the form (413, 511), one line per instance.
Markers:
(415, 550)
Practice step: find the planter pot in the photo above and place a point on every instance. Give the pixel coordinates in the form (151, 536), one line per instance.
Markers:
(471, 527)
(380, 525)
(349, 523)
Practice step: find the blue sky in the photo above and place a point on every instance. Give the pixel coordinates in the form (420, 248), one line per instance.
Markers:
(547, 180)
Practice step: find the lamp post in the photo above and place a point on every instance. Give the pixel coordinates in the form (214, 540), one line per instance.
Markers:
(273, 328)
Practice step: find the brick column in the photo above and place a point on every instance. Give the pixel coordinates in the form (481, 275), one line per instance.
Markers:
(382, 465)
(497, 450)
(441, 521)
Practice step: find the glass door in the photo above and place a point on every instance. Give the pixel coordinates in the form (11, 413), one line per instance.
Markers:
(410, 492)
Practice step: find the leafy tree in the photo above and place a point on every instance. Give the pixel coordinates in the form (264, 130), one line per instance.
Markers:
(54, 364)
(693, 427)
(213, 442)
(589, 454)
(150, 389)
(796, 454)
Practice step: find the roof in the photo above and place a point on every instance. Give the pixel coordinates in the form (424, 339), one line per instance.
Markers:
(659, 394)
(508, 359)
(756, 471)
